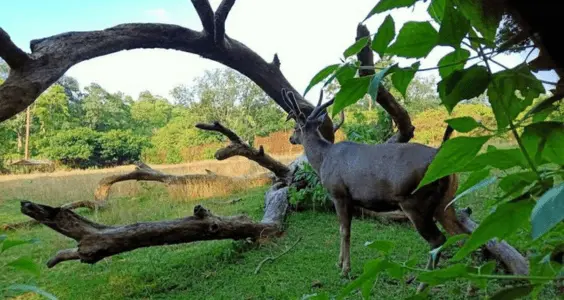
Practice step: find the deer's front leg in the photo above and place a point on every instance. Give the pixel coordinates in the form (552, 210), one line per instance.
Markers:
(345, 216)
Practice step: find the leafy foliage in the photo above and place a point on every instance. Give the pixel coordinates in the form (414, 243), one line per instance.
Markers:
(313, 195)
(528, 169)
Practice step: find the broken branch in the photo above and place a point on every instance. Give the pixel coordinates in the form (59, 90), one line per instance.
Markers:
(273, 258)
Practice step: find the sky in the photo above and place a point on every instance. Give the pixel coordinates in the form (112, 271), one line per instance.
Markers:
(307, 35)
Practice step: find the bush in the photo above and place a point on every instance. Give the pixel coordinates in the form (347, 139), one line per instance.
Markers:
(310, 195)
(361, 131)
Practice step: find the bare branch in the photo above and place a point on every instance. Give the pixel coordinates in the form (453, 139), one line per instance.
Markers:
(96, 241)
(384, 98)
(12, 54)
(206, 14)
(219, 20)
(240, 148)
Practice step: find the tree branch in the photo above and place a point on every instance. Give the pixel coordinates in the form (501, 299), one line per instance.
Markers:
(12, 54)
(53, 56)
(219, 20)
(205, 12)
(96, 241)
(384, 98)
(240, 148)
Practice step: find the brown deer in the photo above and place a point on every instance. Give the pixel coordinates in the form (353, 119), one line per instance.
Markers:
(378, 177)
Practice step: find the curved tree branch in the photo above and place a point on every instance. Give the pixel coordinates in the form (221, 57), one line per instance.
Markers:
(384, 98)
(219, 20)
(52, 56)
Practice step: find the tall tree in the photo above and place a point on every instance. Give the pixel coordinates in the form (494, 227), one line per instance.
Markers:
(104, 111)
(52, 109)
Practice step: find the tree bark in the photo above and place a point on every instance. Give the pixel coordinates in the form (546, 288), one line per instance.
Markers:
(97, 241)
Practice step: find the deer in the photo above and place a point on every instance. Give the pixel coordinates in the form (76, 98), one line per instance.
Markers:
(377, 177)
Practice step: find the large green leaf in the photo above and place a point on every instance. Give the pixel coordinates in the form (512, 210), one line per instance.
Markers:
(544, 141)
(371, 270)
(324, 73)
(351, 91)
(439, 276)
(356, 47)
(436, 9)
(376, 79)
(453, 61)
(475, 181)
(9, 243)
(507, 218)
(453, 27)
(548, 211)
(516, 182)
(31, 288)
(384, 36)
(501, 159)
(514, 292)
(385, 5)
(346, 72)
(506, 105)
(463, 124)
(403, 76)
(486, 24)
(415, 40)
(453, 155)
(463, 85)
(25, 264)
(384, 246)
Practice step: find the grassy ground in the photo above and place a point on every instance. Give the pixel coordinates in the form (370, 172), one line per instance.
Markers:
(222, 269)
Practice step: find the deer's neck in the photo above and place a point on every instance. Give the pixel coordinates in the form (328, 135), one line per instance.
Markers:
(315, 148)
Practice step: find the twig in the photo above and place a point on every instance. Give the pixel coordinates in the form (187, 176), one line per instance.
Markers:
(273, 258)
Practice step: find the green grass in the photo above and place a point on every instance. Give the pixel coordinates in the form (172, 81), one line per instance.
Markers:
(224, 269)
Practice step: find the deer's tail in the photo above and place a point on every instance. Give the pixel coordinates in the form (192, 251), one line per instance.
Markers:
(448, 133)
(447, 215)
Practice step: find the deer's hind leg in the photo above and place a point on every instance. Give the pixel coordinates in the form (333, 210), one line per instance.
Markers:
(422, 218)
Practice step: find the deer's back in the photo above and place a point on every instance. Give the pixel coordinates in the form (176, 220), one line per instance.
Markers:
(369, 173)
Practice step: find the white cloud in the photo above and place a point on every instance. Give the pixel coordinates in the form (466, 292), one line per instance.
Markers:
(307, 35)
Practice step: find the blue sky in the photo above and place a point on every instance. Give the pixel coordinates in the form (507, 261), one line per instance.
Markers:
(307, 35)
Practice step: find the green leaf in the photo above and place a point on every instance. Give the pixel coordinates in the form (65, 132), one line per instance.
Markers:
(486, 24)
(351, 91)
(31, 288)
(324, 73)
(506, 105)
(463, 85)
(371, 270)
(501, 159)
(345, 73)
(383, 246)
(385, 5)
(453, 27)
(548, 211)
(467, 188)
(25, 264)
(439, 276)
(384, 36)
(515, 292)
(14, 243)
(415, 40)
(3, 237)
(403, 76)
(436, 10)
(450, 241)
(453, 155)
(514, 183)
(366, 288)
(376, 79)
(544, 141)
(507, 218)
(453, 61)
(485, 269)
(463, 124)
(356, 47)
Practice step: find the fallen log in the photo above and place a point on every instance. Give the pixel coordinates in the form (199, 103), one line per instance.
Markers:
(97, 241)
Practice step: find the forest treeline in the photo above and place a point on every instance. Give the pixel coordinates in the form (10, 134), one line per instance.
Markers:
(91, 127)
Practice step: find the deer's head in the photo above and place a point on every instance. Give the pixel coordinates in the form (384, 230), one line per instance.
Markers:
(308, 123)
